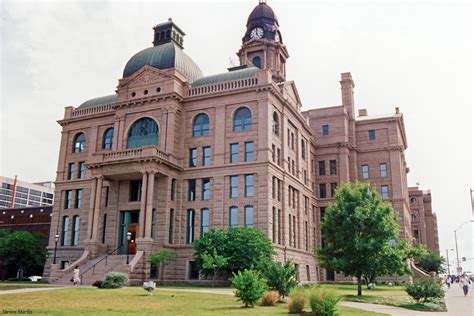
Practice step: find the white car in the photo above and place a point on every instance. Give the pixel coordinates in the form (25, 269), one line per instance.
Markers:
(35, 278)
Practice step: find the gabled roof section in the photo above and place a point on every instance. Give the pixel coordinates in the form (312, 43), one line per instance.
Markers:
(289, 90)
(227, 76)
(98, 101)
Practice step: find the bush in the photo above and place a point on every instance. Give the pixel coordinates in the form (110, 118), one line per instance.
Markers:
(281, 277)
(97, 284)
(323, 301)
(271, 298)
(115, 280)
(249, 286)
(424, 290)
(19, 280)
(297, 301)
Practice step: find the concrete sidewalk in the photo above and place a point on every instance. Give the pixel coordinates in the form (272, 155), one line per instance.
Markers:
(30, 290)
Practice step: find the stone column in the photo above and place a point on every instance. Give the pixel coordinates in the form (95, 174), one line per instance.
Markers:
(140, 232)
(91, 208)
(149, 205)
(98, 198)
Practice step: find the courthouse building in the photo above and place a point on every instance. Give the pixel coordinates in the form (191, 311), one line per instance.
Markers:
(174, 153)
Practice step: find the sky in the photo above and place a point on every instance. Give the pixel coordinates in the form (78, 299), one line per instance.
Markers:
(415, 55)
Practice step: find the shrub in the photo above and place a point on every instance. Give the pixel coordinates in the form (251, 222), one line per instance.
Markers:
(115, 280)
(297, 301)
(97, 284)
(323, 301)
(271, 298)
(424, 290)
(281, 277)
(249, 286)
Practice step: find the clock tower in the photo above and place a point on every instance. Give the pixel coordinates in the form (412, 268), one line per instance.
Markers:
(262, 44)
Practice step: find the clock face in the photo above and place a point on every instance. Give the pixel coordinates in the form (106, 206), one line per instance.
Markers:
(256, 33)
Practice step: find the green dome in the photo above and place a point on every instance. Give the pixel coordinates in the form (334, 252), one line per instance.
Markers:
(98, 101)
(164, 56)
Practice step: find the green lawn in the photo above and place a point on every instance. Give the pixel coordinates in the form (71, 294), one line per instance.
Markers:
(5, 287)
(133, 301)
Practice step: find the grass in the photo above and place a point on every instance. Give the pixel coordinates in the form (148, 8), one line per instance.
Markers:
(133, 301)
(6, 287)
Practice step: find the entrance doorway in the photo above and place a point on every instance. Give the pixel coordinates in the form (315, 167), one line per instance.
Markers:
(128, 224)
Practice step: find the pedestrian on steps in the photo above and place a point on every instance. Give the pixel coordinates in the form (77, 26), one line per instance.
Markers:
(76, 278)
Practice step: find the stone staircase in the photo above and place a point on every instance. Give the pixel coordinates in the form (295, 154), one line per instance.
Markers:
(96, 269)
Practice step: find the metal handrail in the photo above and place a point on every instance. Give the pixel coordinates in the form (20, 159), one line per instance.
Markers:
(93, 266)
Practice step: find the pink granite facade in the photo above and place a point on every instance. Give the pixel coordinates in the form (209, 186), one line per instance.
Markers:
(173, 154)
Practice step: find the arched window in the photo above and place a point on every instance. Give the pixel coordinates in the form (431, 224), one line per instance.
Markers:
(276, 124)
(257, 62)
(79, 143)
(242, 120)
(143, 132)
(108, 139)
(413, 217)
(201, 125)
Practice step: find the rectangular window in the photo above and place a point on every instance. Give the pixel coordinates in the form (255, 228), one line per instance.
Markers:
(308, 274)
(191, 189)
(294, 231)
(78, 202)
(303, 149)
(288, 138)
(193, 157)
(322, 168)
(332, 167)
(279, 189)
(292, 141)
(70, 171)
(153, 223)
(173, 189)
(333, 188)
(274, 187)
(135, 190)
(64, 232)
(384, 192)
(68, 199)
(273, 153)
(371, 134)
(248, 185)
(81, 170)
(322, 190)
(234, 186)
(306, 205)
(365, 171)
(248, 216)
(204, 221)
(206, 156)
(75, 231)
(104, 228)
(306, 235)
(206, 189)
(279, 227)
(233, 216)
(278, 157)
(325, 130)
(171, 227)
(383, 170)
(107, 189)
(248, 151)
(234, 153)
(190, 226)
(290, 234)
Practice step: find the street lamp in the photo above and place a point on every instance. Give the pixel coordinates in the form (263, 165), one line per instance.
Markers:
(129, 236)
(456, 241)
(447, 259)
(13, 219)
(31, 218)
(56, 239)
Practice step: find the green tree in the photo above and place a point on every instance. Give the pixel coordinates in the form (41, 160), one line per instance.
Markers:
(242, 247)
(213, 264)
(162, 259)
(249, 286)
(281, 277)
(427, 260)
(358, 230)
(22, 250)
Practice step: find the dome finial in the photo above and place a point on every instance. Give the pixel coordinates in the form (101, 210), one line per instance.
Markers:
(170, 19)
(262, 1)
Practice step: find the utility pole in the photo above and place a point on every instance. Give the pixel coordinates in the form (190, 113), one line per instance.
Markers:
(456, 241)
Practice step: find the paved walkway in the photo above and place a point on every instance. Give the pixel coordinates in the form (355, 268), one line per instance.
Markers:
(30, 290)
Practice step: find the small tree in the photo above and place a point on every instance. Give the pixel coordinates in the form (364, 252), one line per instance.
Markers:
(424, 290)
(249, 285)
(22, 250)
(357, 230)
(162, 259)
(281, 277)
(213, 264)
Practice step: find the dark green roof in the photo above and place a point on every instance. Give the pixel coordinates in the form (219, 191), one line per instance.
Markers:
(98, 101)
(227, 76)
(164, 56)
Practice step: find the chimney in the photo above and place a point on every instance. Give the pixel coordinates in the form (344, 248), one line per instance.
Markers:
(347, 91)
(362, 112)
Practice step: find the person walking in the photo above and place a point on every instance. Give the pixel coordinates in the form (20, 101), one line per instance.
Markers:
(448, 281)
(464, 284)
(76, 277)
